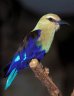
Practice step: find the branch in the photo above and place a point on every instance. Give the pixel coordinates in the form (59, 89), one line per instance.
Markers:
(72, 94)
(42, 74)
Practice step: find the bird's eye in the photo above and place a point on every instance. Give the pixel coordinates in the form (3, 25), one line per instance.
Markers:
(51, 19)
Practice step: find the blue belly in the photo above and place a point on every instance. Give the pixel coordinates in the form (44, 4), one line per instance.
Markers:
(31, 50)
(22, 58)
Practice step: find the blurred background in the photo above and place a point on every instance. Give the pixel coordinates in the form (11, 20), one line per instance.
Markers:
(17, 18)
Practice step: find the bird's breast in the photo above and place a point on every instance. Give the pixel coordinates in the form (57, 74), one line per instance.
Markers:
(45, 40)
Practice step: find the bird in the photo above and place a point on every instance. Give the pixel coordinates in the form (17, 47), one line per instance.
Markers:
(35, 45)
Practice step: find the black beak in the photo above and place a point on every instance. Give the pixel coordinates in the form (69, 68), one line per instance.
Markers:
(63, 22)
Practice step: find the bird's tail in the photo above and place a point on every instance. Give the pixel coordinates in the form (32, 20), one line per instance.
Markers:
(11, 77)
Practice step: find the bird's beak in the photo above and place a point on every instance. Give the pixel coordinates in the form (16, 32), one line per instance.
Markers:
(62, 22)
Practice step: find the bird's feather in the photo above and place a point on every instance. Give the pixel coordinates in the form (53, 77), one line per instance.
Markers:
(11, 77)
(23, 57)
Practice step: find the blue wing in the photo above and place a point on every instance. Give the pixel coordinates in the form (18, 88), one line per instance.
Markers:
(22, 58)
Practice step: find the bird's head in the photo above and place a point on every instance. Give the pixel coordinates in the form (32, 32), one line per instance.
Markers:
(50, 22)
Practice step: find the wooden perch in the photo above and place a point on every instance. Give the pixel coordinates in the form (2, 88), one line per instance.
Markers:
(43, 75)
(72, 94)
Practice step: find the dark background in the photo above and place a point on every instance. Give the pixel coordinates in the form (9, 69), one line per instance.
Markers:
(17, 18)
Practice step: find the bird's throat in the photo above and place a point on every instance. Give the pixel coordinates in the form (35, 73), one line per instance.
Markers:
(45, 40)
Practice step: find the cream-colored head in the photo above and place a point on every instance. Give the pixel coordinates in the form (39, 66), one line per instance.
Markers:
(49, 22)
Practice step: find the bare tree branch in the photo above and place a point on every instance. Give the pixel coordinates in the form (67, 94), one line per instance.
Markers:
(43, 75)
(72, 94)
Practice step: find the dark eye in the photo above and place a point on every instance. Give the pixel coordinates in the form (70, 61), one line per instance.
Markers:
(51, 19)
